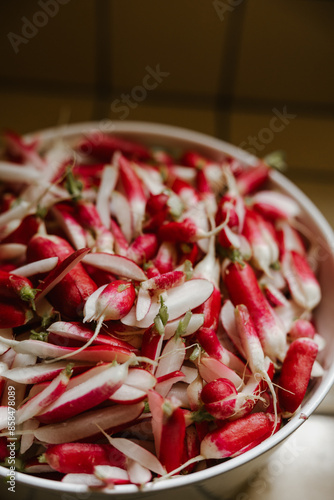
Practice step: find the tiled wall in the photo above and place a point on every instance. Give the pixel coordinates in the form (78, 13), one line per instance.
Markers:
(257, 73)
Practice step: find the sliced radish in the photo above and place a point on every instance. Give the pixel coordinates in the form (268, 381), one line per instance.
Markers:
(115, 264)
(86, 395)
(166, 382)
(83, 479)
(211, 369)
(138, 474)
(45, 398)
(111, 475)
(178, 301)
(38, 373)
(195, 322)
(87, 424)
(39, 266)
(60, 271)
(138, 453)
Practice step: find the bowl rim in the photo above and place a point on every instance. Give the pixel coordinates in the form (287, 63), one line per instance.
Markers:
(219, 146)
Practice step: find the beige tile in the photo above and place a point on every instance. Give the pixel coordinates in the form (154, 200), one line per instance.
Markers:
(184, 38)
(58, 47)
(287, 51)
(200, 119)
(308, 142)
(26, 113)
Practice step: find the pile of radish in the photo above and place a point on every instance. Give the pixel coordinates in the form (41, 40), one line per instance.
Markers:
(156, 309)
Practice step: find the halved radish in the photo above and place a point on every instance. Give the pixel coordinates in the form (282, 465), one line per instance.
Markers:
(116, 264)
(89, 393)
(178, 301)
(87, 424)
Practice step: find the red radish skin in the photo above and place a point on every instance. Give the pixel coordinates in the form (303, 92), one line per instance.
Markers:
(41, 372)
(71, 293)
(102, 146)
(210, 369)
(143, 248)
(295, 374)
(88, 216)
(289, 239)
(99, 276)
(301, 328)
(14, 313)
(151, 346)
(151, 270)
(75, 233)
(274, 296)
(4, 450)
(262, 239)
(59, 272)
(77, 331)
(219, 398)
(164, 281)
(174, 232)
(110, 302)
(190, 252)
(252, 346)
(86, 395)
(91, 354)
(274, 206)
(251, 392)
(25, 231)
(89, 174)
(208, 339)
(46, 397)
(270, 432)
(134, 191)
(154, 222)
(208, 268)
(172, 440)
(113, 302)
(186, 231)
(193, 159)
(21, 151)
(211, 310)
(82, 457)
(191, 448)
(166, 382)
(303, 285)
(234, 436)
(156, 203)
(185, 191)
(243, 288)
(252, 179)
(165, 260)
(121, 244)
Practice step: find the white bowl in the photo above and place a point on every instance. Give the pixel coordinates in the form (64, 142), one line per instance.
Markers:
(226, 478)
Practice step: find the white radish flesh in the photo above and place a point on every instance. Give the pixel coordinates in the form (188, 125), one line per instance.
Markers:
(115, 264)
(39, 266)
(178, 301)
